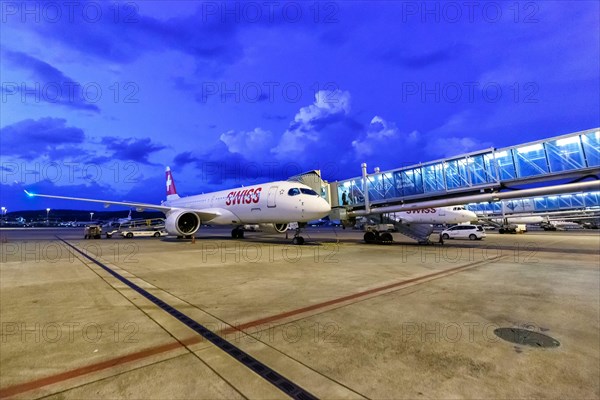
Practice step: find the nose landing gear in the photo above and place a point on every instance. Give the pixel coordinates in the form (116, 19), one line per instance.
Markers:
(298, 240)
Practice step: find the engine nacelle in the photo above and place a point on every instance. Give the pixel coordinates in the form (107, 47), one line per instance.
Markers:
(274, 228)
(182, 223)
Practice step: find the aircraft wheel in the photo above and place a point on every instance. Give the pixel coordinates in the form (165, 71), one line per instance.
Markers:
(386, 238)
(370, 237)
(445, 236)
(472, 237)
(298, 240)
(237, 233)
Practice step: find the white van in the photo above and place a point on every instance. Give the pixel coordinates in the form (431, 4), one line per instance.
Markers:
(471, 232)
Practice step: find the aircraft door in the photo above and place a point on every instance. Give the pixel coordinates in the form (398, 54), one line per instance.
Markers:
(271, 196)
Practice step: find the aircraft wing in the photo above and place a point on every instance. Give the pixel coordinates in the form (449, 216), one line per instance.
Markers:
(205, 215)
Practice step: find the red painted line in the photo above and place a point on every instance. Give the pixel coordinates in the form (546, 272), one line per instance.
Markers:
(74, 373)
(53, 379)
(343, 299)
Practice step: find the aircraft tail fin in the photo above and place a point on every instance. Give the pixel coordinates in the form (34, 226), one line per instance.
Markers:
(171, 190)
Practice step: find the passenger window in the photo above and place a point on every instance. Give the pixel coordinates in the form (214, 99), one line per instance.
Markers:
(294, 192)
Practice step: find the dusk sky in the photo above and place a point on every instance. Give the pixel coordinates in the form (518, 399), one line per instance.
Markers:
(98, 97)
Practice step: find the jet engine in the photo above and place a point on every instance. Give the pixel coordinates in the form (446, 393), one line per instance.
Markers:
(182, 223)
(274, 228)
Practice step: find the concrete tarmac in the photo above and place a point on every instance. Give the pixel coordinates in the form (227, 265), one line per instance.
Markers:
(336, 317)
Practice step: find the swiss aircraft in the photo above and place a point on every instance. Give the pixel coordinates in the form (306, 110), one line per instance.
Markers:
(417, 224)
(272, 205)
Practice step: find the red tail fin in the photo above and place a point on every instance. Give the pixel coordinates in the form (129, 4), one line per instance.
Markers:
(171, 191)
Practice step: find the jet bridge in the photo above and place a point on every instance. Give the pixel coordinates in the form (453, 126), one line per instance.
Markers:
(567, 157)
(488, 175)
(540, 205)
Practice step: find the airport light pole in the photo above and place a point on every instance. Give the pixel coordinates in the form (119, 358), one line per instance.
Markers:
(4, 211)
(47, 216)
(91, 216)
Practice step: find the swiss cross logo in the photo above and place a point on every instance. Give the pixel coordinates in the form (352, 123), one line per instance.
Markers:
(170, 184)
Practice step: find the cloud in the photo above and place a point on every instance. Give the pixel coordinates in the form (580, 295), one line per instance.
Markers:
(253, 144)
(185, 158)
(382, 139)
(51, 85)
(120, 33)
(216, 167)
(131, 149)
(422, 60)
(454, 146)
(379, 132)
(274, 117)
(329, 107)
(30, 139)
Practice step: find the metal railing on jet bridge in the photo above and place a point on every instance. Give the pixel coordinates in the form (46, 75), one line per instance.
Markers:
(567, 156)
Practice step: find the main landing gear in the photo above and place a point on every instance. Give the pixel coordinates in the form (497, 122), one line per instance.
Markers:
(372, 237)
(237, 233)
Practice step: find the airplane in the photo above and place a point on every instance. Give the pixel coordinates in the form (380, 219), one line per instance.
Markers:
(273, 205)
(126, 219)
(418, 223)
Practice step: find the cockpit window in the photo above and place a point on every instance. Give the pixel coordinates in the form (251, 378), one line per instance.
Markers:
(293, 192)
(308, 191)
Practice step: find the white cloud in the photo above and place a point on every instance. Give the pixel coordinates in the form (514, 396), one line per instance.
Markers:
(256, 141)
(305, 128)
(453, 146)
(381, 136)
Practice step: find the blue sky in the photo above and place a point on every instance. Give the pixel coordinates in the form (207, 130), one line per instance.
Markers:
(97, 97)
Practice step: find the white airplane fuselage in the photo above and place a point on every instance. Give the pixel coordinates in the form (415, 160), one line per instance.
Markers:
(520, 220)
(435, 215)
(273, 202)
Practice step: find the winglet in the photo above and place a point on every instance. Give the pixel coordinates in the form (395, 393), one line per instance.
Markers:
(28, 193)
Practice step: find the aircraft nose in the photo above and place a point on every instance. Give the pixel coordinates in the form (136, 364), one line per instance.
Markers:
(471, 215)
(324, 206)
(321, 208)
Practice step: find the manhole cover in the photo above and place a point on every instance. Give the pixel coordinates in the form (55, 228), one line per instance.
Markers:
(525, 337)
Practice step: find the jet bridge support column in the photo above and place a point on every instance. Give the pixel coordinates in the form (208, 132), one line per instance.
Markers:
(365, 187)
